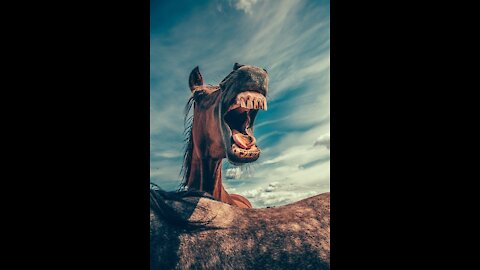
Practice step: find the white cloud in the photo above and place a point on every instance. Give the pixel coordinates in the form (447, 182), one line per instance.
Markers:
(280, 194)
(323, 140)
(245, 5)
(233, 173)
(167, 154)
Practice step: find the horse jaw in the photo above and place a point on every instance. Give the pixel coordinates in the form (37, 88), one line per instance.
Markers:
(243, 95)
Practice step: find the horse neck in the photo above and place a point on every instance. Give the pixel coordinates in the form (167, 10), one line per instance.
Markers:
(206, 175)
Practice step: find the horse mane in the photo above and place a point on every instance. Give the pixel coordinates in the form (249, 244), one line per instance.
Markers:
(188, 147)
(158, 204)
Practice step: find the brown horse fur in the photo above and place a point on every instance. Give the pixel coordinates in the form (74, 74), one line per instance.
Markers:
(222, 127)
(196, 232)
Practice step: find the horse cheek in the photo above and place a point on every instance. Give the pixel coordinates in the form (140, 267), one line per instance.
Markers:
(216, 148)
(217, 153)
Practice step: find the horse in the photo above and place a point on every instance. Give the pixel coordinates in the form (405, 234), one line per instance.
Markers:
(192, 230)
(222, 127)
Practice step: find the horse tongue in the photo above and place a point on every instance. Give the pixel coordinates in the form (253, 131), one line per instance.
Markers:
(242, 140)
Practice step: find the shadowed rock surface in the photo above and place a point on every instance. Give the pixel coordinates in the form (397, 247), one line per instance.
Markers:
(294, 236)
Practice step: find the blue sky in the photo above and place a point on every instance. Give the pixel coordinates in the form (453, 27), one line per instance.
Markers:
(289, 38)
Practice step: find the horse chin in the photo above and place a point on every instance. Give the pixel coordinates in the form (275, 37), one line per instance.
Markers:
(240, 156)
(235, 153)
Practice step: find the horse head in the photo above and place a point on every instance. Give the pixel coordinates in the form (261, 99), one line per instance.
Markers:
(222, 127)
(224, 115)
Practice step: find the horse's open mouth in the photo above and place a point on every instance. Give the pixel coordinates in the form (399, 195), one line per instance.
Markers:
(239, 118)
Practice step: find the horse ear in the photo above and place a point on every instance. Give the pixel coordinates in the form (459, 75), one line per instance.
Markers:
(237, 66)
(195, 78)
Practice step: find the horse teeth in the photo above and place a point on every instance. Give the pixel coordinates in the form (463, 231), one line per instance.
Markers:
(251, 100)
(242, 103)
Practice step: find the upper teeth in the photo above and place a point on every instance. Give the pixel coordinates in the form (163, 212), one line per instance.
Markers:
(250, 100)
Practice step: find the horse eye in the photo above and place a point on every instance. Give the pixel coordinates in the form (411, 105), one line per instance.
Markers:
(198, 94)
